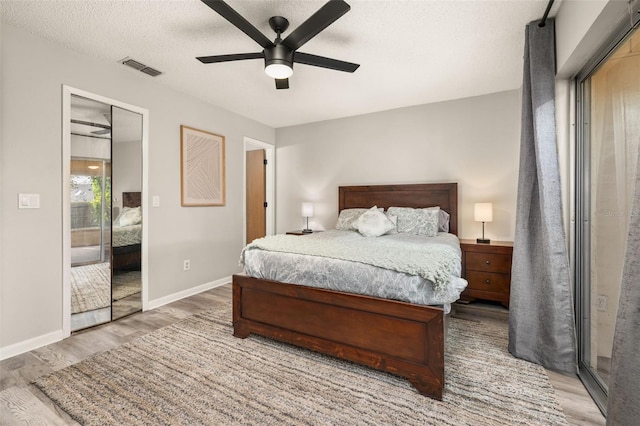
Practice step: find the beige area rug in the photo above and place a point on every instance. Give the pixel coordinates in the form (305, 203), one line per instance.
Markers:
(90, 287)
(196, 372)
(126, 284)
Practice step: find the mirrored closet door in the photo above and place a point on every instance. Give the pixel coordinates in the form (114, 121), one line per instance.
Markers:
(106, 217)
(126, 230)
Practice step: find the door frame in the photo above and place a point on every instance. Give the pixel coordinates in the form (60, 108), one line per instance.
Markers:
(249, 145)
(67, 92)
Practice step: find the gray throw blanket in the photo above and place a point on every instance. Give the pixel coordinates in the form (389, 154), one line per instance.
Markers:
(433, 262)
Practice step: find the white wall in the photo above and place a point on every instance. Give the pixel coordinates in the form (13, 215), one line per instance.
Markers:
(581, 28)
(127, 176)
(472, 141)
(126, 154)
(33, 72)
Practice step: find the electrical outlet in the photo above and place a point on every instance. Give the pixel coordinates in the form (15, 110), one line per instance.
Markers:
(187, 265)
(601, 303)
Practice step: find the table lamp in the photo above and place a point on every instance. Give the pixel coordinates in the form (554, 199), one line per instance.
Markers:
(307, 212)
(483, 212)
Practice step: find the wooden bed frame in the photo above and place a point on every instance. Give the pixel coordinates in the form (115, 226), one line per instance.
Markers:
(128, 257)
(401, 338)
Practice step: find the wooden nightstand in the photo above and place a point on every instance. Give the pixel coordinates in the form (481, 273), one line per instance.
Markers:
(487, 268)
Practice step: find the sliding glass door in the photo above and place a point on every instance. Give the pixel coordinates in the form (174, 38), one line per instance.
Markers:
(90, 210)
(609, 100)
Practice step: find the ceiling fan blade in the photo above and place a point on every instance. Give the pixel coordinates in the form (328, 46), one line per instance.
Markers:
(282, 83)
(101, 132)
(90, 123)
(227, 58)
(236, 19)
(320, 20)
(321, 61)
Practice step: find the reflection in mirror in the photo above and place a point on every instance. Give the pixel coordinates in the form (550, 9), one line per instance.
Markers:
(106, 216)
(90, 213)
(127, 212)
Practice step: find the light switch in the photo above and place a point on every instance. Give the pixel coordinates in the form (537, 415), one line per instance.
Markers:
(156, 201)
(28, 201)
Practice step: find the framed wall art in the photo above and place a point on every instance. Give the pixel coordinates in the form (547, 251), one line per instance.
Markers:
(202, 171)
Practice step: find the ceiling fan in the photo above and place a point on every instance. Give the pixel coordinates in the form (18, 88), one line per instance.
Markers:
(279, 55)
(105, 129)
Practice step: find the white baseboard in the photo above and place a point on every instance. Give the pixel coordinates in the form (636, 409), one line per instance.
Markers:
(31, 344)
(156, 303)
(56, 336)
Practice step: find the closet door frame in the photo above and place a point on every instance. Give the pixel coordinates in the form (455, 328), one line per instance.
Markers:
(67, 92)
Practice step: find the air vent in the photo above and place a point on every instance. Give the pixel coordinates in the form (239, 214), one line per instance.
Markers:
(140, 66)
(150, 71)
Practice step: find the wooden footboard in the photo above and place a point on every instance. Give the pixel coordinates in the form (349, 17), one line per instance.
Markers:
(397, 337)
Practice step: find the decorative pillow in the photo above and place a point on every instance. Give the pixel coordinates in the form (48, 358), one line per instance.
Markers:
(417, 221)
(129, 216)
(394, 220)
(443, 221)
(116, 221)
(347, 219)
(373, 223)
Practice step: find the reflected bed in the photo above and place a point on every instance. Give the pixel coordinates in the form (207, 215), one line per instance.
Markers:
(127, 238)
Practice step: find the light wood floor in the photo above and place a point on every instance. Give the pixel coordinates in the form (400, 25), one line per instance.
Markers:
(23, 403)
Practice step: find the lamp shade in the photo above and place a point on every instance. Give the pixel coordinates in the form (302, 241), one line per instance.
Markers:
(307, 209)
(483, 212)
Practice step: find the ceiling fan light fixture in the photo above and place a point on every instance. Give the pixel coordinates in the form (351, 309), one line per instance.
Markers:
(278, 70)
(279, 55)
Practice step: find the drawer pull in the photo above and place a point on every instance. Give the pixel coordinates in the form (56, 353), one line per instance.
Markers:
(487, 281)
(488, 262)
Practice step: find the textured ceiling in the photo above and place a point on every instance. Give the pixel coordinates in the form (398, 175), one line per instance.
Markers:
(411, 52)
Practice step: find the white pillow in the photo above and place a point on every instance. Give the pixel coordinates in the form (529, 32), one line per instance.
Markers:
(347, 219)
(129, 216)
(373, 223)
(417, 221)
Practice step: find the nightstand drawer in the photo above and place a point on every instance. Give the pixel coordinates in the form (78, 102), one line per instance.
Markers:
(490, 262)
(487, 281)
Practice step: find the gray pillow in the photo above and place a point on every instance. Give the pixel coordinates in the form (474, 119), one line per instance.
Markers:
(347, 219)
(394, 220)
(417, 221)
(443, 221)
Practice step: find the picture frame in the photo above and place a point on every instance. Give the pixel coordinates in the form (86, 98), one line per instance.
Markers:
(202, 168)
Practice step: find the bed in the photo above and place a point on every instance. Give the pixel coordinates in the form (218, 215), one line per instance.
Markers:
(126, 237)
(408, 339)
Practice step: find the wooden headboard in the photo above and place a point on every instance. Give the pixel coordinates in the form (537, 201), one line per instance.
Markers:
(419, 195)
(131, 199)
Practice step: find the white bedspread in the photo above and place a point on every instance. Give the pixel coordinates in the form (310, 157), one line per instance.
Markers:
(349, 269)
(126, 235)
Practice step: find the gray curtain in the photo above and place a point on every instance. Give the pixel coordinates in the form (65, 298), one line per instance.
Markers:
(623, 406)
(541, 313)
